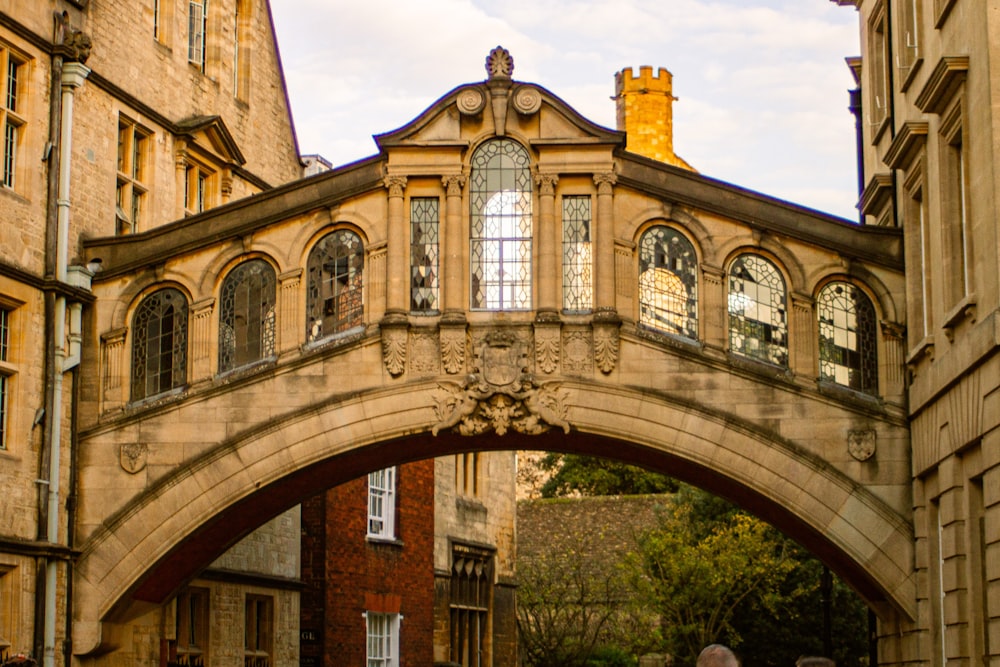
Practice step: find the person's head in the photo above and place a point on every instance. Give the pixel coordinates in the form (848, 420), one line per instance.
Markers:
(717, 655)
(814, 661)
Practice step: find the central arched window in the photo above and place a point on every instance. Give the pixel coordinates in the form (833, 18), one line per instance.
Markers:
(847, 337)
(334, 293)
(500, 239)
(159, 344)
(668, 282)
(758, 315)
(246, 315)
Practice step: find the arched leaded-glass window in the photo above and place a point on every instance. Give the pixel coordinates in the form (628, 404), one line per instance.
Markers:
(334, 285)
(159, 343)
(847, 337)
(668, 282)
(246, 315)
(758, 315)
(500, 239)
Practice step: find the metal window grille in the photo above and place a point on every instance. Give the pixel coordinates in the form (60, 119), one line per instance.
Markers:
(382, 503)
(334, 301)
(500, 240)
(424, 254)
(578, 292)
(159, 344)
(668, 282)
(847, 337)
(470, 604)
(247, 315)
(758, 322)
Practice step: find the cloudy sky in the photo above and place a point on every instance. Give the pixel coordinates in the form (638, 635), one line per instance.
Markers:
(762, 84)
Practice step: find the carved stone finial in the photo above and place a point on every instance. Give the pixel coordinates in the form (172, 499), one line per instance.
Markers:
(499, 63)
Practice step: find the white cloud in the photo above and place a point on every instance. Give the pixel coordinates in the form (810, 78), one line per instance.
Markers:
(762, 83)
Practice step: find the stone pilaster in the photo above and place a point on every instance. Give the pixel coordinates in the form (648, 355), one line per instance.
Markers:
(549, 238)
(894, 360)
(625, 279)
(376, 272)
(802, 337)
(714, 307)
(113, 370)
(454, 238)
(291, 327)
(201, 339)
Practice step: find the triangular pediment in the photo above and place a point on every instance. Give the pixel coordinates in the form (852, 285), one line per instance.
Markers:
(210, 132)
(499, 106)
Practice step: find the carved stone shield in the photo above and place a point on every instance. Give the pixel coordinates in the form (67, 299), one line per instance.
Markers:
(501, 359)
(133, 456)
(861, 444)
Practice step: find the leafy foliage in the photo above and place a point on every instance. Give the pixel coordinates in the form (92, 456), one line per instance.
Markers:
(576, 474)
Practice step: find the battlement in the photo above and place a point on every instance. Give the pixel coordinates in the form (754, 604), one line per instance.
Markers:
(644, 109)
(627, 82)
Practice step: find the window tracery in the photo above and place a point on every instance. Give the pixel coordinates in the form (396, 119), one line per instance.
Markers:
(247, 315)
(668, 282)
(159, 344)
(847, 337)
(334, 301)
(758, 315)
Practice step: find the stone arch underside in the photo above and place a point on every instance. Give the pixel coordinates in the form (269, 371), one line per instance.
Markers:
(144, 553)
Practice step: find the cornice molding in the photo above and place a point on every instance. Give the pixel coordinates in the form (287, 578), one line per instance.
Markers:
(944, 80)
(909, 140)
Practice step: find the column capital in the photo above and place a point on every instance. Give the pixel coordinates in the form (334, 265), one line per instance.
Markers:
(605, 182)
(546, 182)
(395, 185)
(453, 184)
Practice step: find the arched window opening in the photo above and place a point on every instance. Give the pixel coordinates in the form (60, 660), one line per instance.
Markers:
(246, 315)
(847, 337)
(668, 282)
(159, 344)
(335, 281)
(500, 240)
(758, 315)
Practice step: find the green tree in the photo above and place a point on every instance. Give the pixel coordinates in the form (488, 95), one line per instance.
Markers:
(698, 572)
(577, 474)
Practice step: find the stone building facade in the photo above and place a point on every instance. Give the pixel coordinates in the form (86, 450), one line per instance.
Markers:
(929, 130)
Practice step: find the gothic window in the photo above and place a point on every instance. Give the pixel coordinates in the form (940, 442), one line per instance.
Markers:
(159, 344)
(578, 291)
(246, 315)
(668, 282)
(197, 24)
(192, 627)
(133, 158)
(470, 605)
(847, 337)
(334, 298)
(259, 630)
(11, 118)
(382, 631)
(382, 504)
(424, 254)
(758, 322)
(500, 243)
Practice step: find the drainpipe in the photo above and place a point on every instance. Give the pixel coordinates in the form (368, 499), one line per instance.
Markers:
(73, 76)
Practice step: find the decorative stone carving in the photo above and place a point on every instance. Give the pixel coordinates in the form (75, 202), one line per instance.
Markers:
(578, 357)
(424, 353)
(394, 350)
(478, 406)
(453, 349)
(471, 101)
(133, 456)
(861, 444)
(606, 346)
(499, 63)
(547, 348)
(527, 100)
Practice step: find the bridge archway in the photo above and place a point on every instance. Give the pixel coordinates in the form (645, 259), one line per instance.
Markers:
(144, 552)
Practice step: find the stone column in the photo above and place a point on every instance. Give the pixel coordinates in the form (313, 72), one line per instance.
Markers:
(290, 321)
(893, 362)
(604, 255)
(397, 267)
(455, 238)
(201, 339)
(549, 238)
(626, 280)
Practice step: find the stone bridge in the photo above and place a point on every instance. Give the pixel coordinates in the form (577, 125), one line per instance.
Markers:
(570, 296)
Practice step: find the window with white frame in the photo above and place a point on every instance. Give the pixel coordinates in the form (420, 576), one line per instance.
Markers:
(382, 504)
(383, 639)
(197, 27)
(11, 110)
(133, 158)
(500, 242)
